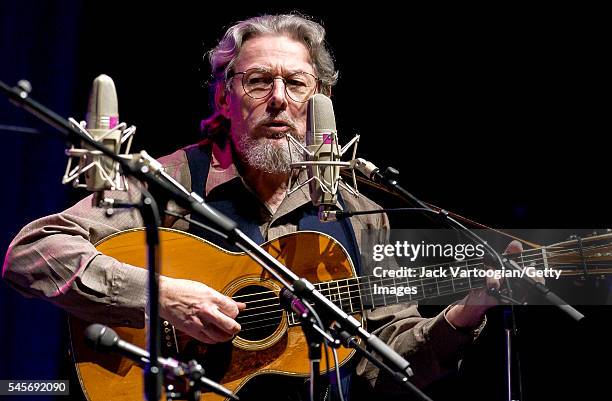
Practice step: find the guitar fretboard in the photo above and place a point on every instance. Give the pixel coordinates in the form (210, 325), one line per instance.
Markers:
(353, 295)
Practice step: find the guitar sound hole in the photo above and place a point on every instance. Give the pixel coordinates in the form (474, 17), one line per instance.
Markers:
(262, 315)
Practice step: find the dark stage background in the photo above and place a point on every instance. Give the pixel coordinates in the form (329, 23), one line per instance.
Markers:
(498, 114)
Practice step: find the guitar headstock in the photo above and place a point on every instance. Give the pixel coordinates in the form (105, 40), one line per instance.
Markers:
(589, 255)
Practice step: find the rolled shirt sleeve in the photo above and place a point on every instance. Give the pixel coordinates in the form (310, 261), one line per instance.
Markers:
(431, 345)
(54, 258)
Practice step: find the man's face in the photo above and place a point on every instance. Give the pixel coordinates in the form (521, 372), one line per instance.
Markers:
(258, 126)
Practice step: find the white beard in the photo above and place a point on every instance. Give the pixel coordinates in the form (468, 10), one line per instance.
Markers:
(265, 155)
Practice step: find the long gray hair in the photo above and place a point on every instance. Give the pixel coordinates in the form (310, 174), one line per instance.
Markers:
(223, 57)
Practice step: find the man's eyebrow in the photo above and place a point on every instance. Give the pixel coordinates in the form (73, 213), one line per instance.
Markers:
(268, 69)
(259, 67)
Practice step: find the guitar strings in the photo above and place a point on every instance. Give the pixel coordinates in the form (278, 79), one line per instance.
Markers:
(355, 284)
(475, 283)
(254, 325)
(427, 280)
(442, 288)
(531, 262)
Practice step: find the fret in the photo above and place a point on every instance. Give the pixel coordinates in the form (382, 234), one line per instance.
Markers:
(395, 286)
(459, 283)
(357, 296)
(350, 296)
(346, 291)
(339, 294)
(374, 296)
(371, 291)
(468, 276)
(408, 295)
(359, 283)
(380, 297)
(544, 257)
(422, 288)
(479, 282)
(330, 295)
(412, 283)
(324, 289)
(428, 290)
(445, 286)
(383, 293)
(398, 283)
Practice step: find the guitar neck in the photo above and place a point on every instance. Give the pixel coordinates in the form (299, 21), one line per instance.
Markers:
(425, 283)
(589, 256)
(353, 295)
(356, 294)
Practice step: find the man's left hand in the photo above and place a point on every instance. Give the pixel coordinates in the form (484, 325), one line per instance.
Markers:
(470, 311)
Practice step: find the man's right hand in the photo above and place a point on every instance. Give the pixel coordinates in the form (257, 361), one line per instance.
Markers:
(198, 310)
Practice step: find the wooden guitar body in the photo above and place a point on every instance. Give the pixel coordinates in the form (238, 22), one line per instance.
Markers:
(269, 343)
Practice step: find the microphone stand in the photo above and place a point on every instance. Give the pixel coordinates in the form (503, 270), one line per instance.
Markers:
(149, 171)
(389, 179)
(153, 374)
(514, 382)
(149, 211)
(314, 331)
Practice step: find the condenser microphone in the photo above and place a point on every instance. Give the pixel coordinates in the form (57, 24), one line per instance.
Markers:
(322, 158)
(323, 150)
(101, 119)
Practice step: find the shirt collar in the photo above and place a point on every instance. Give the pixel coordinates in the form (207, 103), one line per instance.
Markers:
(222, 166)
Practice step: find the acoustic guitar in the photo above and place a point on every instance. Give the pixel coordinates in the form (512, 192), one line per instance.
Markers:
(271, 341)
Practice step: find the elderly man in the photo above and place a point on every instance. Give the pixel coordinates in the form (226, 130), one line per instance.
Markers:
(264, 71)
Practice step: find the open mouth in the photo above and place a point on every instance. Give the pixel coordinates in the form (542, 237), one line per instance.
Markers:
(277, 124)
(277, 129)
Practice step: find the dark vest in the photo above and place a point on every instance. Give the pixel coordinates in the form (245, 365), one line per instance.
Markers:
(198, 157)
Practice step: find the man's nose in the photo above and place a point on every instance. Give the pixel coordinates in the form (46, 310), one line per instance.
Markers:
(278, 97)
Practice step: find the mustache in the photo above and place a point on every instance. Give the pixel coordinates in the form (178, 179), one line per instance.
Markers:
(266, 120)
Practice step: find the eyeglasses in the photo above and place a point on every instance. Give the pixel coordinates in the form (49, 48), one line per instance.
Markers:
(258, 83)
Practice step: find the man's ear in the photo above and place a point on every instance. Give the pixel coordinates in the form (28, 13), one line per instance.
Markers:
(326, 91)
(222, 100)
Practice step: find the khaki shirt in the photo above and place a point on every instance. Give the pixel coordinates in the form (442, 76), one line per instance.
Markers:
(54, 258)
